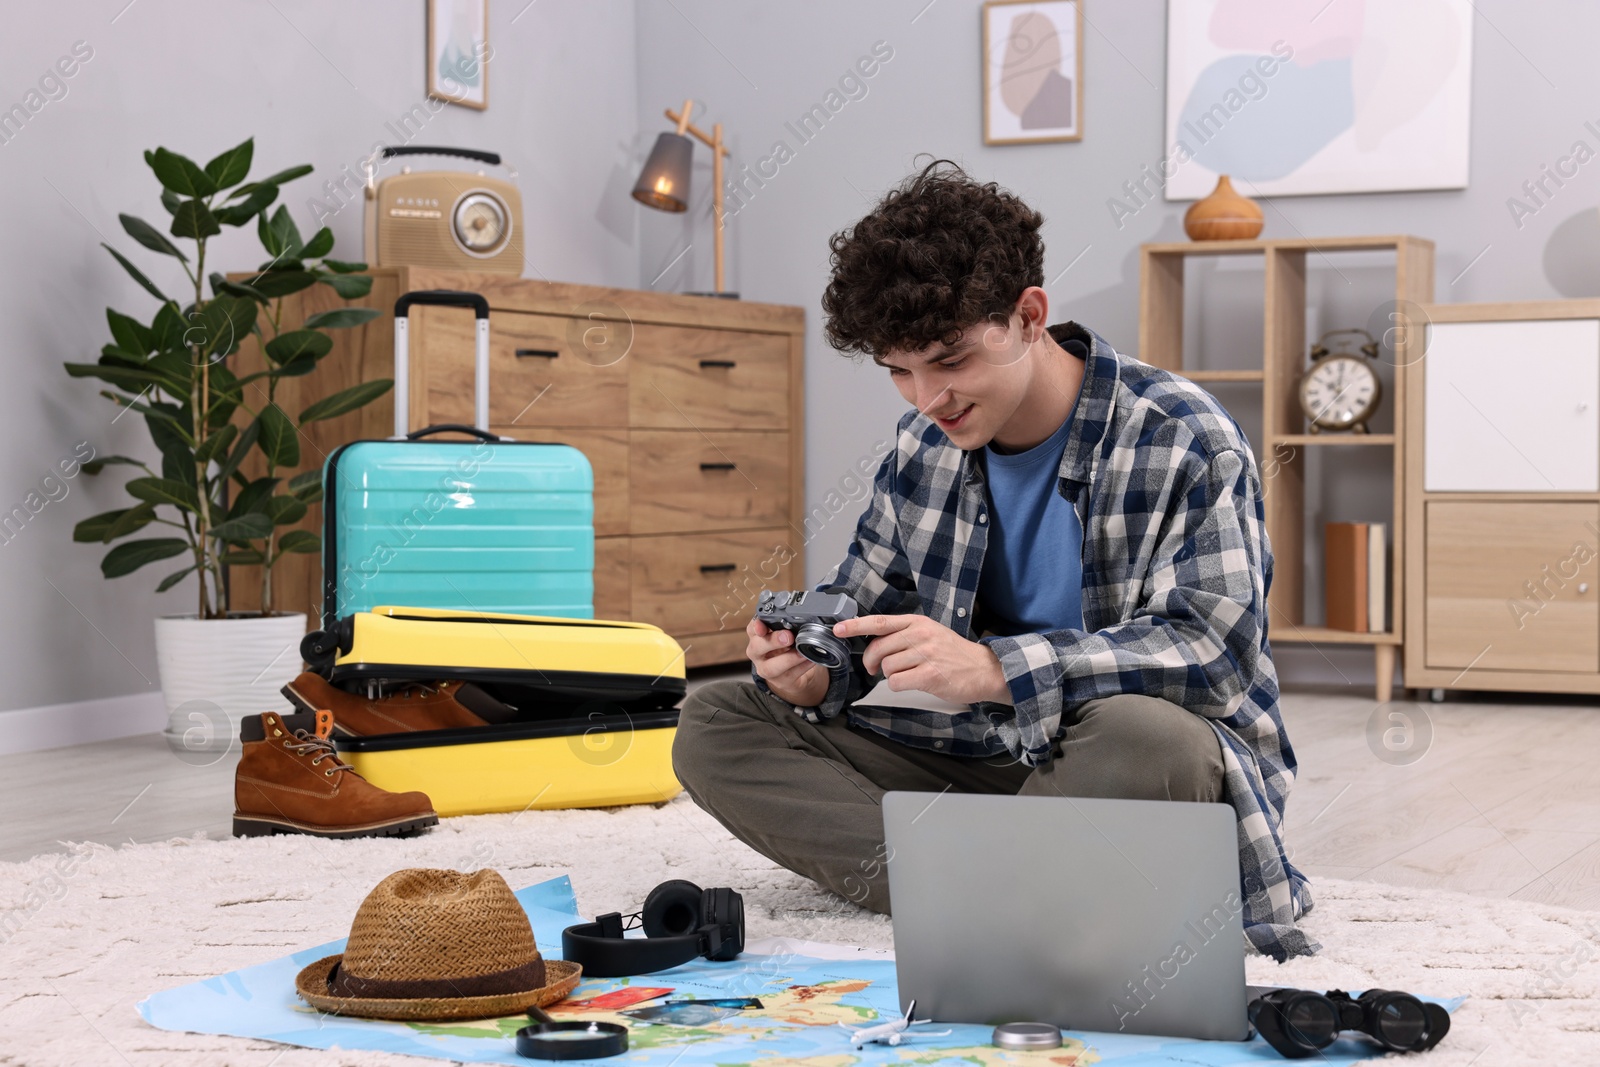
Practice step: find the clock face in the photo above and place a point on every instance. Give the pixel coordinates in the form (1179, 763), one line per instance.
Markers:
(1339, 391)
(481, 223)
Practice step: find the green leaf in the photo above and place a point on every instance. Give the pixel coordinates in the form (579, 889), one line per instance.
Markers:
(287, 233)
(238, 214)
(283, 177)
(170, 426)
(181, 174)
(221, 284)
(276, 283)
(241, 557)
(279, 439)
(339, 266)
(340, 318)
(304, 482)
(321, 244)
(150, 237)
(299, 541)
(130, 521)
(169, 200)
(174, 578)
(130, 378)
(285, 510)
(225, 321)
(349, 286)
(230, 167)
(345, 400)
(298, 344)
(269, 237)
(250, 526)
(131, 334)
(99, 463)
(252, 497)
(247, 441)
(194, 219)
(167, 328)
(136, 273)
(94, 527)
(216, 444)
(129, 557)
(165, 491)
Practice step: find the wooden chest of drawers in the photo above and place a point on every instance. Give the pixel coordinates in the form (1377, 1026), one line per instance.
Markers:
(690, 409)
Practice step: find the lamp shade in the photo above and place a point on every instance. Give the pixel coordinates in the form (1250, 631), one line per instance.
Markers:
(664, 182)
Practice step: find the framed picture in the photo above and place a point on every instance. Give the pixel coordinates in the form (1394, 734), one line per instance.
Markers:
(1299, 97)
(1032, 71)
(458, 52)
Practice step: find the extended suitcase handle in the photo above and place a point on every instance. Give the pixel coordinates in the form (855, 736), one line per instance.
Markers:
(402, 362)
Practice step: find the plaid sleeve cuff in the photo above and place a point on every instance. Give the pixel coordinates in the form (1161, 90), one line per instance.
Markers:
(1033, 671)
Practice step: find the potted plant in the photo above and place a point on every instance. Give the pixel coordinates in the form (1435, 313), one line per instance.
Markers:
(225, 485)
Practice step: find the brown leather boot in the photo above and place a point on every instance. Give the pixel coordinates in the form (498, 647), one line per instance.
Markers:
(290, 781)
(418, 707)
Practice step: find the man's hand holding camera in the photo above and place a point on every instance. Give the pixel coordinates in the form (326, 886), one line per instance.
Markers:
(911, 651)
(915, 652)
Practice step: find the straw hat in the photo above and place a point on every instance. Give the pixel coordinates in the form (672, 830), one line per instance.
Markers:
(432, 945)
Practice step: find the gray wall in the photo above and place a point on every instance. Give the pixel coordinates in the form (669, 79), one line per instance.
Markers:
(576, 101)
(314, 83)
(756, 68)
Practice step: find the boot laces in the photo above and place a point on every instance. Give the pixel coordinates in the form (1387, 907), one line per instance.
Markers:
(304, 743)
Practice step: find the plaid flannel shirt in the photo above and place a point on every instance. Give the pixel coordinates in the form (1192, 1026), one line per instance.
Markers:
(1176, 568)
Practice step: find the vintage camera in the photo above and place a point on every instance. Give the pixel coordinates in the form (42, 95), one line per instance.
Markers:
(810, 616)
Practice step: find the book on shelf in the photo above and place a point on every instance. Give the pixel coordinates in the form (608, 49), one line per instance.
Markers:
(1356, 576)
(1377, 578)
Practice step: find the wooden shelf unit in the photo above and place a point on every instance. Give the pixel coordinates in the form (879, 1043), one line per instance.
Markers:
(1281, 453)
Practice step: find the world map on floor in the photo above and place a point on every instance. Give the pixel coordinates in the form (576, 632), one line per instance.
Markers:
(804, 999)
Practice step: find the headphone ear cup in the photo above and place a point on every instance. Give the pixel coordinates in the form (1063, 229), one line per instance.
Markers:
(672, 909)
(725, 908)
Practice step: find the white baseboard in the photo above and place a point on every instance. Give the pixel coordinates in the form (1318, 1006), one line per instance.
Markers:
(56, 725)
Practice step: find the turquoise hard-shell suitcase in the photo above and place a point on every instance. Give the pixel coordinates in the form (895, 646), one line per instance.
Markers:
(488, 525)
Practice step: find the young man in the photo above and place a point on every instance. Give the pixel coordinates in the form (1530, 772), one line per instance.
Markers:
(1065, 539)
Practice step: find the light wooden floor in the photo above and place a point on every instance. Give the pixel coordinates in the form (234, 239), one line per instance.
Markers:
(1505, 800)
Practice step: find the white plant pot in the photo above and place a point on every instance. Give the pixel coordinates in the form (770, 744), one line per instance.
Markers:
(214, 672)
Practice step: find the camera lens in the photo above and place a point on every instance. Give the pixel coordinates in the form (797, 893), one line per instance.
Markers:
(818, 644)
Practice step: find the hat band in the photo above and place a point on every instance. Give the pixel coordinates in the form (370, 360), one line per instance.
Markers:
(529, 976)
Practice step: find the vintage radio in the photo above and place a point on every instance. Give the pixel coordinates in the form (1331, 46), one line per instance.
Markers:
(453, 220)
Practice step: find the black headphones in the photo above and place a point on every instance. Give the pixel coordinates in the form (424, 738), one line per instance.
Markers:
(680, 921)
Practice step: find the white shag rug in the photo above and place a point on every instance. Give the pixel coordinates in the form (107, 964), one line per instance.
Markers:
(85, 936)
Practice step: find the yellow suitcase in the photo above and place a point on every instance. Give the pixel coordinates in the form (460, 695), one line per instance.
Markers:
(594, 700)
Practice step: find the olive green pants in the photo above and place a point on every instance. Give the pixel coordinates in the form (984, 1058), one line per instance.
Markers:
(808, 796)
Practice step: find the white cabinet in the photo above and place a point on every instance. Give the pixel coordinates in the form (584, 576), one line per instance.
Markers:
(1512, 406)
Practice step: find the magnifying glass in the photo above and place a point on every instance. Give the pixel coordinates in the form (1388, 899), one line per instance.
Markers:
(547, 1039)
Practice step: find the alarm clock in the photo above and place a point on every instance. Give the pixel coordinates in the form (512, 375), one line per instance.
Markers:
(453, 220)
(1340, 390)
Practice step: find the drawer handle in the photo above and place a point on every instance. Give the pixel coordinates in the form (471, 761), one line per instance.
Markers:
(1583, 587)
(717, 466)
(712, 568)
(542, 353)
(717, 363)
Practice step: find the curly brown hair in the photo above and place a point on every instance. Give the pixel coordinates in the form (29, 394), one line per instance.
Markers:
(936, 256)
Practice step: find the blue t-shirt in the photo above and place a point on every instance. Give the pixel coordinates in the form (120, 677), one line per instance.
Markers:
(1032, 577)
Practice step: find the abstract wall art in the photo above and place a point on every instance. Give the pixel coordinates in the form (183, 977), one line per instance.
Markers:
(1297, 97)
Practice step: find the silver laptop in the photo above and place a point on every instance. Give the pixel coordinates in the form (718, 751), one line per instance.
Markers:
(1109, 915)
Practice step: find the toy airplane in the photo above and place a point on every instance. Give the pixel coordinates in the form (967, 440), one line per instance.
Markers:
(893, 1032)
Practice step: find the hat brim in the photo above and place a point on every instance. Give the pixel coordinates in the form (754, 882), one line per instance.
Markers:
(312, 985)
